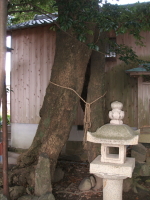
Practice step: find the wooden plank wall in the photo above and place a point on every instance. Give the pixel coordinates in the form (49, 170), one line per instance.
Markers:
(32, 60)
(120, 86)
(143, 103)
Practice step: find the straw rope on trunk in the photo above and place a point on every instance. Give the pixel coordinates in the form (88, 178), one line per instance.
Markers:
(87, 114)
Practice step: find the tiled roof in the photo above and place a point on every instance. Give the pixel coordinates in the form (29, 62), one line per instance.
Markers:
(142, 68)
(137, 69)
(37, 21)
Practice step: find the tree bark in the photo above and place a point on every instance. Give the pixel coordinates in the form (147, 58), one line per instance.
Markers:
(60, 105)
(3, 15)
(96, 88)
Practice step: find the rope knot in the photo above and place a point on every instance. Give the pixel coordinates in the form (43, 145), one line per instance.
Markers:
(87, 118)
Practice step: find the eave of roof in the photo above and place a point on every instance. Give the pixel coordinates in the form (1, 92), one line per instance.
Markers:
(137, 69)
(37, 21)
(143, 69)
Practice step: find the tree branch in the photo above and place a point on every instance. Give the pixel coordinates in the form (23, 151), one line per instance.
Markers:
(21, 4)
(42, 11)
(20, 11)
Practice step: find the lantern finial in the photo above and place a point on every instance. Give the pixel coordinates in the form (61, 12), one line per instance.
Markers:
(116, 115)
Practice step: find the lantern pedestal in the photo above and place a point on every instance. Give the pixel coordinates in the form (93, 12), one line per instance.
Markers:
(112, 189)
(113, 175)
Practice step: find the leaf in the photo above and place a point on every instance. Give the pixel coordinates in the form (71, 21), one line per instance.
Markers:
(53, 28)
(96, 48)
(90, 32)
(81, 38)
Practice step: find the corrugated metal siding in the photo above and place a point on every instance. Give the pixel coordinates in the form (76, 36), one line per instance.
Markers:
(32, 60)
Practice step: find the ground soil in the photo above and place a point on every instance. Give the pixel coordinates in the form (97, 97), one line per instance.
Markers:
(67, 189)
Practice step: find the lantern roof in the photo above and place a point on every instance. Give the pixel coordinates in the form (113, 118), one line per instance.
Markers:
(116, 132)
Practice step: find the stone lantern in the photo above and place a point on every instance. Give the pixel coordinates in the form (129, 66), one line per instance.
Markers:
(113, 168)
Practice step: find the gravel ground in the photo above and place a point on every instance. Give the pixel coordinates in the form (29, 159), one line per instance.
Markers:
(67, 189)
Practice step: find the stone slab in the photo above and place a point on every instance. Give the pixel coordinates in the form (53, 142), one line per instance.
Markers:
(112, 170)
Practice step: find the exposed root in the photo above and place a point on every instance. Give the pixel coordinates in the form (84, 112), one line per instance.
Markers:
(27, 158)
(22, 176)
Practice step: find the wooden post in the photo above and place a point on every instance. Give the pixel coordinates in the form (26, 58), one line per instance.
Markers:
(5, 143)
(3, 18)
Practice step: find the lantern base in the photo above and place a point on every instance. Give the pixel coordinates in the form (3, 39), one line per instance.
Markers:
(113, 175)
(112, 170)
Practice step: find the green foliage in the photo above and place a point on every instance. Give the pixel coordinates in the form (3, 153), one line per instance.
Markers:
(147, 66)
(93, 46)
(24, 10)
(146, 78)
(77, 15)
(80, 15)
(9, 90)
(53, 28)
(8, 119)
(125, 53)
(1, 121)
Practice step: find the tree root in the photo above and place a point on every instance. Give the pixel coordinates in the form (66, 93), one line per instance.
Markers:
(22, 176)
(78, 193)
(27, 158)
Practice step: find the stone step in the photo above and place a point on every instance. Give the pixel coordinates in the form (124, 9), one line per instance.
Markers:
(12, 158)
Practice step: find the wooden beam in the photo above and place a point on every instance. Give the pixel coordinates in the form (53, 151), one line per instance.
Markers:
(138, 73)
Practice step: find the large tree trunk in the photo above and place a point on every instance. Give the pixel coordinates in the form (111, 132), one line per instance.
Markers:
(60, 105)
(3, 15)
(96, 88)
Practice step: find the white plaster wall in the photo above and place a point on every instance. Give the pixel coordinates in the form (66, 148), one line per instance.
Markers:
(22, 135)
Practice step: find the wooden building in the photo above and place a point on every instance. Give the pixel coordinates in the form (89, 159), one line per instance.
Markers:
(33, 53)
(131, 86)
(32, 59)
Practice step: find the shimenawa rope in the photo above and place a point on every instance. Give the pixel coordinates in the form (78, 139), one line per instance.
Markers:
(87, 119)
